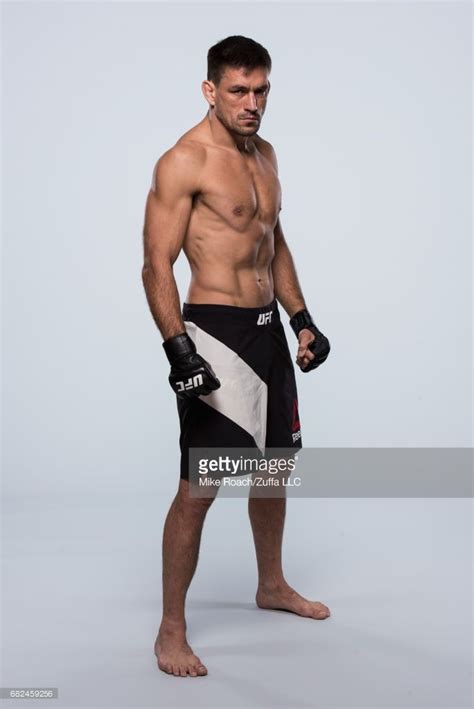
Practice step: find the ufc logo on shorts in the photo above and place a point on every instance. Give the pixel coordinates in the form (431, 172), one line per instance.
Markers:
(190, 383)
(264, 318)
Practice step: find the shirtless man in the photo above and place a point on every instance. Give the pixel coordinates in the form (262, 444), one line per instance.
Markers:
(216, 195)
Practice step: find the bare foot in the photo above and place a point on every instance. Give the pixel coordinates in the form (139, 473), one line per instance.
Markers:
(174, 655)
(285, 598)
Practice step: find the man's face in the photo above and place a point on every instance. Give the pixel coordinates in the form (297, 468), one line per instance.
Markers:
(240, 99)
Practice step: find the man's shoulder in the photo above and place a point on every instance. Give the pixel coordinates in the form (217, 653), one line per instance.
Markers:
(181, 164)
(262, 143)
(267, 150)
(185, 153)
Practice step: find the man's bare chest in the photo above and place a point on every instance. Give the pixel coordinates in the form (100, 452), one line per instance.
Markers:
(240, 190)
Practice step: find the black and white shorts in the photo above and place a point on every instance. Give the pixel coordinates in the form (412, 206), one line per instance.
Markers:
(256, 405)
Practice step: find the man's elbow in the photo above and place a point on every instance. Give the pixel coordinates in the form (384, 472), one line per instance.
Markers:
(150, 271)
(155, 268)
(147, 267)
(147, 264)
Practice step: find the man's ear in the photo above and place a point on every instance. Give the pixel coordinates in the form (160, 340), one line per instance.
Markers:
(269, 87)
(209, 92)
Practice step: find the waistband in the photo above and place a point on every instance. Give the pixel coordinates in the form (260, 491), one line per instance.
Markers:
(233, 311)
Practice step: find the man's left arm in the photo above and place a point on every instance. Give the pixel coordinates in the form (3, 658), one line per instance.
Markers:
(313, 346)
(285, 280)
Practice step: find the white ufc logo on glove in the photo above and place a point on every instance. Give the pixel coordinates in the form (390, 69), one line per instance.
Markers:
(191, 383)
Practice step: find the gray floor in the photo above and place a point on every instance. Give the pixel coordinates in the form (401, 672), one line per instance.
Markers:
(81, 594)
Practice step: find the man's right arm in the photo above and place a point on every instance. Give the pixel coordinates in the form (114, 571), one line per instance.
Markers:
(168, 210)
(167, 214)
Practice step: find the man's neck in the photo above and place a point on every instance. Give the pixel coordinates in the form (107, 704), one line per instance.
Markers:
(222, 136)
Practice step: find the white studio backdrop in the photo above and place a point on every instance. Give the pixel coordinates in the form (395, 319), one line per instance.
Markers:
(370, 115)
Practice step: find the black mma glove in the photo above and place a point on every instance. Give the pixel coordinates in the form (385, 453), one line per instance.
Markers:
(320, 346)
(190, 374)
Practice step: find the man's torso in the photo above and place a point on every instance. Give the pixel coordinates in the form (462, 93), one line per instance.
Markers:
(229, 239)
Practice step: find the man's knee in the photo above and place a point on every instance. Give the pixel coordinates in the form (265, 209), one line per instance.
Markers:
(193, 501)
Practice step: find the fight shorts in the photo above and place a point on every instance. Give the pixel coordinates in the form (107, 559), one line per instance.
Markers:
(256, 405)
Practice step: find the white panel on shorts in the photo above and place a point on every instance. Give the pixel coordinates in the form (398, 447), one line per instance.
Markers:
(243, 395)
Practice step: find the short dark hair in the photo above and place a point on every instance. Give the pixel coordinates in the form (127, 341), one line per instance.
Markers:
(237, 52)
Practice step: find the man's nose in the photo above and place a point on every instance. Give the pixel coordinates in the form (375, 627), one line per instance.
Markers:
(251, 103)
